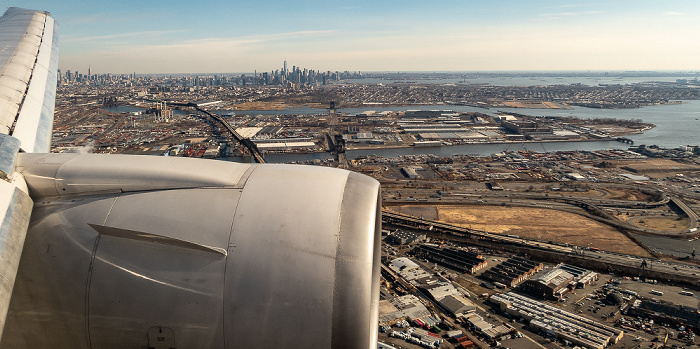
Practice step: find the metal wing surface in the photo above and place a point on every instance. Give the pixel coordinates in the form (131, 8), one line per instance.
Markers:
(118, 251)
(28, 63)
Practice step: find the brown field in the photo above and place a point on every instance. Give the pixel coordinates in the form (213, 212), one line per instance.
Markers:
(625, 194)
(262, 106)
(531, 223)
(535, 104)
(651, 165)
(662, 223)
(658, 168)
(588, 193)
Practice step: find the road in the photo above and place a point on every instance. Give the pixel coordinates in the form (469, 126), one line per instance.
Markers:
(690, 272)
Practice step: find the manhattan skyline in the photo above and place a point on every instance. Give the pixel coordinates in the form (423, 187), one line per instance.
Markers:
(216, 37)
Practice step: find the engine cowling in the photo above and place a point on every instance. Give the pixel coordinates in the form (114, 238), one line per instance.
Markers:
(149, 252)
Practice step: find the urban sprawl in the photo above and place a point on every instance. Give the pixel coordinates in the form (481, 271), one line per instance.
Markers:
(516, 249)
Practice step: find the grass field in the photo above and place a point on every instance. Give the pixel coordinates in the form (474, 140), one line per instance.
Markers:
(531, 223)
(663, 223)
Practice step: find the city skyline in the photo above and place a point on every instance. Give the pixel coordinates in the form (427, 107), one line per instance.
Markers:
(212, 37)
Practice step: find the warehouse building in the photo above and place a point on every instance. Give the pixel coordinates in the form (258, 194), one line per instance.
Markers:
(513, 271)
(399, 308)
(527, 128)
(401, 237)
(410, 172)
(458, 305)
(552, 284)
(408, 269)
(558, 323)
(667, 312)
(439, 291)
(464, 261)
(286, 147)
(430, 113)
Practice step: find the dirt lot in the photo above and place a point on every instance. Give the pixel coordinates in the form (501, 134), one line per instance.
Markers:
(625, 194)
(474, 288)
(531, 223)
(658, 168)
(588, 193)
(662, 223)
(536, 105)
(262, 106)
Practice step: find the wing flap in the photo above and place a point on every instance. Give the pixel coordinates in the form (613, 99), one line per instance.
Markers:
(15, 211)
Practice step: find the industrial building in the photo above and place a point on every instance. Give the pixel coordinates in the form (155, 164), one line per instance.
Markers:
(513, 271)
(402, 237)
(410, 172)
(399, 308)
(554, 283)
(490, 331)
(453, 135)
(439, 291)
(286, 147)
(559, 323)
(461, 260)
(259, 140)
(668, 312)
(430, 113)
(408, 269)
(363, 137)
(458, 305)
(527, 128)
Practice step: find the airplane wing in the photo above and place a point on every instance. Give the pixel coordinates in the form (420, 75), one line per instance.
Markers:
(119, 251)
(28, 63)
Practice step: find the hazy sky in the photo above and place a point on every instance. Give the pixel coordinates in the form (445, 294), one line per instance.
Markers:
(186, 36)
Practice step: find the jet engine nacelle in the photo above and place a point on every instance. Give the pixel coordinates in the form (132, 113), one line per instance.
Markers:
(156, 252)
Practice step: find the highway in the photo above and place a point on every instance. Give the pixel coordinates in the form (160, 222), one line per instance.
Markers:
(687, 210)
(247, 143)
(252, 148)
(597, 208)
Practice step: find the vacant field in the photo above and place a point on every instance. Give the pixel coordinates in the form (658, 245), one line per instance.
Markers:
(426, 212)
(662, 223)
(536, 105)
(625, 194)
(658, 168)
(588, 193)
(262, 106)
(531, 223)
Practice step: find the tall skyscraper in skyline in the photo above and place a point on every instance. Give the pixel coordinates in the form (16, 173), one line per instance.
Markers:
(284, 72)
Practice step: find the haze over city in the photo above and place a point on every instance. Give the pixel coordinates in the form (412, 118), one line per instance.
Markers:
(223, 37)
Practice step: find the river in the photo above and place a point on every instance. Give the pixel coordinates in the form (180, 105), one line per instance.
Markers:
(676, 124)
(529, 80)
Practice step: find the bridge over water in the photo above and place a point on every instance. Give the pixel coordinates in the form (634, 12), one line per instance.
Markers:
(247, 143)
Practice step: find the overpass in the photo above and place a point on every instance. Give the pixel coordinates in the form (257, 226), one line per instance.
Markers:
(692, 215)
